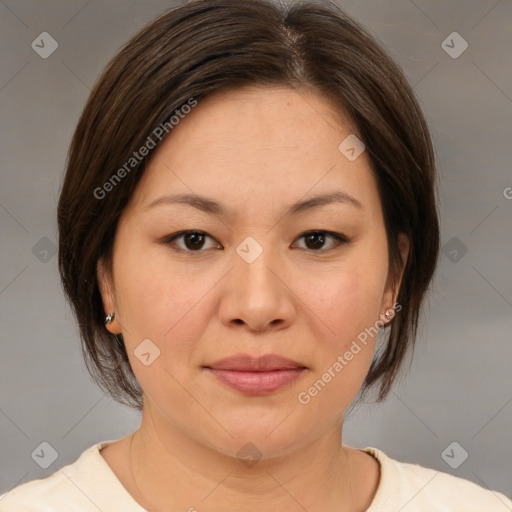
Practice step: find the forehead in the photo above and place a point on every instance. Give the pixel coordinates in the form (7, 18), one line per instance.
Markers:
(275, 114)
(273, 142)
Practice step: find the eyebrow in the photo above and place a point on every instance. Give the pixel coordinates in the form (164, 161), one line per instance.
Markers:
(208, 205)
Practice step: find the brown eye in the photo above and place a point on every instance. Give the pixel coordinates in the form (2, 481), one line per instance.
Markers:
(192, 241)
(315, 240)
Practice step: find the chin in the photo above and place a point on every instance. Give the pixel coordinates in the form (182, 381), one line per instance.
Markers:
(272, 435)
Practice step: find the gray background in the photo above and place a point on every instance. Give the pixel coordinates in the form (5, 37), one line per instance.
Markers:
(459, 387)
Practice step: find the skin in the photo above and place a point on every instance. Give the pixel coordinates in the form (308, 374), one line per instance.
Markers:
(256, 151)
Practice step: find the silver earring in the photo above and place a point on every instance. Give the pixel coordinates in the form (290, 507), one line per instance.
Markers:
(388, 314)
(109, 318)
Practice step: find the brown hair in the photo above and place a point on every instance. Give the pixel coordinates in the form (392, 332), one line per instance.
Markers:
(205, 46)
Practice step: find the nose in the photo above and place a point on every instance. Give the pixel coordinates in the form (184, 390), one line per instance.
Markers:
(257, 295)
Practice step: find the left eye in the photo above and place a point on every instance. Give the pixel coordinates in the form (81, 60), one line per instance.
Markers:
(315, 239)
(194, 241)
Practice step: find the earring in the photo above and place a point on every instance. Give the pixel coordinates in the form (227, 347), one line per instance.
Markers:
(109, 318)
(389, 314)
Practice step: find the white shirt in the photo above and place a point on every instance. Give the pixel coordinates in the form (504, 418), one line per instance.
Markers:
(90, 485)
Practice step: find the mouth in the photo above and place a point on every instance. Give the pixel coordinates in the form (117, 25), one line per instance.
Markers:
(256, 375)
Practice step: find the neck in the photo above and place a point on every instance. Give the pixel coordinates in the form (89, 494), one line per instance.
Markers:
(171, 471)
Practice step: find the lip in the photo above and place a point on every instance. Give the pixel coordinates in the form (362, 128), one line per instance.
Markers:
(256, 375)
(247, 363)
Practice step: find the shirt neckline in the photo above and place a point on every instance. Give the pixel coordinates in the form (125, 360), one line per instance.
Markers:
(381, 501)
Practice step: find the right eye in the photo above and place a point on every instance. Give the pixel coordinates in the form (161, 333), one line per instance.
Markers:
(193, 241)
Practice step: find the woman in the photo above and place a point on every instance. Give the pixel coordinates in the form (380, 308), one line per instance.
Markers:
(248, 229)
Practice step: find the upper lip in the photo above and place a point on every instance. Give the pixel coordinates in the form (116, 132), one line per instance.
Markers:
(246, 363)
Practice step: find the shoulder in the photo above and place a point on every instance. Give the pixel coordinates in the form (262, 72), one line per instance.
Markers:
(27, 496)
(414, 488)
(87, 484)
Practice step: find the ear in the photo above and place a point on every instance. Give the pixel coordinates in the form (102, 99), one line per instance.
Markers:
(390, 295)
(105, 283)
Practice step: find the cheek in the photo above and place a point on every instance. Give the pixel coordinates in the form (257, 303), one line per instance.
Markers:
(166, 308)
(350, 305)
(159, 302)
(350, 302)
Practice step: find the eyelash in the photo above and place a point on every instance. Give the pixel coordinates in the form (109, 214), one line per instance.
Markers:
(338, 237)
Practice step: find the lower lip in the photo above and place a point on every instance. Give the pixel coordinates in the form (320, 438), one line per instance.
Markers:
(257, 383)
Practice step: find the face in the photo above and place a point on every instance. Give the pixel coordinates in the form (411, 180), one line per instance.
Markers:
(255, 267)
